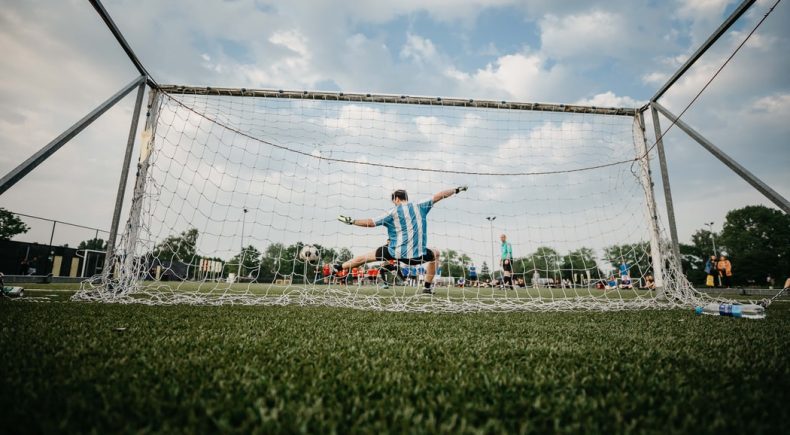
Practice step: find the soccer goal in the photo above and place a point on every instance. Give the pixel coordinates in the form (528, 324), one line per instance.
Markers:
(233, 185)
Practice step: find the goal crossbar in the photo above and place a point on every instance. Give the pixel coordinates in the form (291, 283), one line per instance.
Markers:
(396, 99)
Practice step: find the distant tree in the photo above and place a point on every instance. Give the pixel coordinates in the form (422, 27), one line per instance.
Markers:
(757, 239)
(344, 254)
(270, 262)
(702, 240)
(637, 255)
(485, 272)
(94, 244)
(546, 260)
(693, 259)
(453, 263)
(10, 225)
(578, 263)
(180, 247)
(250, 258)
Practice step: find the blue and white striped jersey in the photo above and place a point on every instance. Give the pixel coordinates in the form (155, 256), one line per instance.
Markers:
(407, 228)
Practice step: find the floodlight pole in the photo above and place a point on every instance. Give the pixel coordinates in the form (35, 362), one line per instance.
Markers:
(712, 238)
(241, 255)
(744, 173)
(127, 159)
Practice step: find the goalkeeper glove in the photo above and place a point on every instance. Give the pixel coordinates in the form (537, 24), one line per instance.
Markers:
(345, 219)
(460, 189)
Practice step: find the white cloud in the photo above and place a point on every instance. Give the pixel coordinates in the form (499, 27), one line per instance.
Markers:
(655, 78)
(701, 9)
(609, 99)
(520, 76)
(778, 104)
(292, 40)
(596, 34)
(418, 49)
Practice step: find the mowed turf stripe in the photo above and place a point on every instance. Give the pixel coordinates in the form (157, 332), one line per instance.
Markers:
(80, 367)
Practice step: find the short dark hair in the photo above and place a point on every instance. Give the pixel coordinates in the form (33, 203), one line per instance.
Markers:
(400, 194)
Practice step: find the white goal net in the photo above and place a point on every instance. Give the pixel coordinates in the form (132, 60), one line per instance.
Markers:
(234, 185)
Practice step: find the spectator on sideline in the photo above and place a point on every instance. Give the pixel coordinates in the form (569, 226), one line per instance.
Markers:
(472, 275)
(725, 271)
(23, 265)
(354, 275)
(624, 269)
(420, 275)
(32, 266)
(650, 282)
(711, 270)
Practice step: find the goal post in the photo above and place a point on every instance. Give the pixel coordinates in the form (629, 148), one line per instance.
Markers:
(237, 182)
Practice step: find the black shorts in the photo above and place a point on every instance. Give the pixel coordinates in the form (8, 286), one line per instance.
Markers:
(383, 254)
(507, 265)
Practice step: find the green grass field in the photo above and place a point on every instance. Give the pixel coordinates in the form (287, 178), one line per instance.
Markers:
(86, 367)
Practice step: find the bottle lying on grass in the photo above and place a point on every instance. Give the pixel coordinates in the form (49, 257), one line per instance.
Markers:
(13, 292)
(747, 311)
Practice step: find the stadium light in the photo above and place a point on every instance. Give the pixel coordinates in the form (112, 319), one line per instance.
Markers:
(241, 255)
(712, 237)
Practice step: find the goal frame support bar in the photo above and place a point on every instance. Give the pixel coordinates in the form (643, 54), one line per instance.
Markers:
(116, 215)
(744, 173)
(43, 154)
(662, 161)
(396, 99)
(740, 10)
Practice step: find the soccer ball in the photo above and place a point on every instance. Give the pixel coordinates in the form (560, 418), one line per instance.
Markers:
(309, 254)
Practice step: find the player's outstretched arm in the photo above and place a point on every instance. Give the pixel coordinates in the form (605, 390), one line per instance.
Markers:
(358, 222)
(448, 193)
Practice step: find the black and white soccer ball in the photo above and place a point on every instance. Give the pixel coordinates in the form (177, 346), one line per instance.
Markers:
(309, 254)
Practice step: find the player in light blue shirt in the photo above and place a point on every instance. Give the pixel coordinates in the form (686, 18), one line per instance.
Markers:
(407, 228)
(507, 263)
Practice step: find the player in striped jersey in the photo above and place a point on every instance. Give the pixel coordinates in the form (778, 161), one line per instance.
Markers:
(407, 228)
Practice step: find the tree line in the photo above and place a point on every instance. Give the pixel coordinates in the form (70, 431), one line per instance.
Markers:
(756, 239)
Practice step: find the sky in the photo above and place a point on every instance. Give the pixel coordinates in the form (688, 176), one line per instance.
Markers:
(61, 62)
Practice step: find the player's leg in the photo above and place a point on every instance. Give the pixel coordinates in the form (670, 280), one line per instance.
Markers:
(430, 268)
(507, 274)
(359, 260)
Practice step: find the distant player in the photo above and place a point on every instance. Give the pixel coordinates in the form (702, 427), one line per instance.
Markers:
(507, 263)
(473, 275)
(407, 227)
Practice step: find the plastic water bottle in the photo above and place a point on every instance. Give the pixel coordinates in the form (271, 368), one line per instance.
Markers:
(747, 311)
(13, 292)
